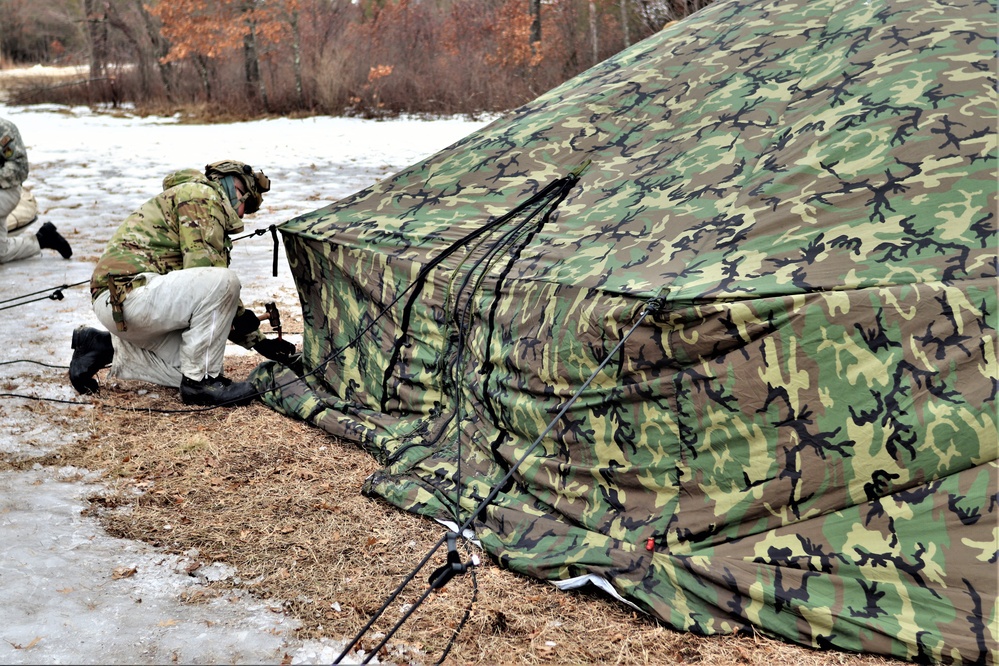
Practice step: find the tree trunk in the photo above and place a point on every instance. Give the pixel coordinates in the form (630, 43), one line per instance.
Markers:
(535, 26)
(625, 33)
(201, 63)
(593, 32)
(139, 48)
(160, 47)
(95, 14)
(254, 84)
(296, 45)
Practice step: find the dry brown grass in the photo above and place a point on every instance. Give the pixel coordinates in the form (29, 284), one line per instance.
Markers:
(31, 85)
(280, 501)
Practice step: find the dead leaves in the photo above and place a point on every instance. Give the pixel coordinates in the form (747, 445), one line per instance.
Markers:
(123, 572)
(34, 641)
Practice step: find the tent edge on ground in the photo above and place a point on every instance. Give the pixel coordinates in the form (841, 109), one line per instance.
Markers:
(814, 206)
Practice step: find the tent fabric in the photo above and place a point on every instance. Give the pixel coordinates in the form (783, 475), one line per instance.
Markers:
(752, 260)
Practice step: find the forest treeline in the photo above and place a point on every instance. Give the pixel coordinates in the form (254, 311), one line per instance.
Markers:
(370, 58)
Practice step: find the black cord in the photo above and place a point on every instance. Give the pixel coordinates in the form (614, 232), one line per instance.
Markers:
(35, 293)
(412, 609)
(274, 265)
(650, 308)
(118, 407)
(259, 232)
(464, 319)
(189, 410)
(566, 183)
(542, 195)
(560, 186)
(507, 240)
(392, 597)
(40, 399)
(464, 619)
(56, 295)
(25, 360)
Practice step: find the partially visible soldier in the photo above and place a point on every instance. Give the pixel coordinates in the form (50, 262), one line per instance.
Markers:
(13, 172)
(163, 287)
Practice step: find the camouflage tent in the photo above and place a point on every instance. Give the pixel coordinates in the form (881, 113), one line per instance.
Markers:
(725, 304)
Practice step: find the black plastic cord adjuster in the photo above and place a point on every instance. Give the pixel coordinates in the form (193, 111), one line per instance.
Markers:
(442, 575)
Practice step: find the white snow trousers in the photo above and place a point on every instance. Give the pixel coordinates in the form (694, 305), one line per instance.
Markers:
(14, 247)
(177, 325)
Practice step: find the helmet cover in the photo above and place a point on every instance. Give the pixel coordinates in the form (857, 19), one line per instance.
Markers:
(256, 182)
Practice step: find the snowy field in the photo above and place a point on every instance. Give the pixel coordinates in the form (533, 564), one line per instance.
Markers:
(64, 602)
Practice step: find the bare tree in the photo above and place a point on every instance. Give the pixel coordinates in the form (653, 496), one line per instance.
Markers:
(296, 45)
(593, 32)
(95, 15)
(160, 47)
(342, 56)
(254, 84)
(625, 33)
(33, 31)
(203, 66)
(137, 40)
(535, 26)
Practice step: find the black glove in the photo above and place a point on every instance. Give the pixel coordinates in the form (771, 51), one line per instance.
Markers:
(281, 351)
(243, 325)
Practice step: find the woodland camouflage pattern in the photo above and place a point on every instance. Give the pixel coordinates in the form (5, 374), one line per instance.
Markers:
(802, 438)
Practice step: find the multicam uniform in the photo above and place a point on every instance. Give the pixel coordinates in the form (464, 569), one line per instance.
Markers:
(13, 172)
(163, 286)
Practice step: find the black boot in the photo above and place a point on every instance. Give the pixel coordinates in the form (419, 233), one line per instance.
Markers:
(216, 391)
(92, 351)
(50, 239)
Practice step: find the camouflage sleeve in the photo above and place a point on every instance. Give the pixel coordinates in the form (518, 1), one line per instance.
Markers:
(202, 236)
(13, 157)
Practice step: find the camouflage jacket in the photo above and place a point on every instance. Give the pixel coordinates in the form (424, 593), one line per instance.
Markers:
(13, 157)
(187, 225)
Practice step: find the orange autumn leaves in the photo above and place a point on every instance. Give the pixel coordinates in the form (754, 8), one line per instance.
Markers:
(213, 28)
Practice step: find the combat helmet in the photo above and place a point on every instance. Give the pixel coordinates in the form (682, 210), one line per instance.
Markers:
(256, 182)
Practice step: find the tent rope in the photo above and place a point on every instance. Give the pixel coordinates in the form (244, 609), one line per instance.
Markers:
(558, 188)
(652, 307)
(274, 237)
(416, 286)
(55, 295)
(507, 240)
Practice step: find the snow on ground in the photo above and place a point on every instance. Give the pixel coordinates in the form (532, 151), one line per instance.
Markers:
(66, 599)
